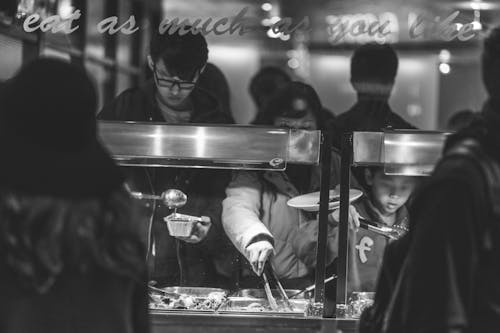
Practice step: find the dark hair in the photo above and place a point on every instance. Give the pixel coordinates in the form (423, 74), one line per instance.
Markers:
(491, 63)
(182, 54)
(374, 63)
(266, 82)
(461, 119)
(9, 7)
(215, 83)
(281, 104)
(42, 237)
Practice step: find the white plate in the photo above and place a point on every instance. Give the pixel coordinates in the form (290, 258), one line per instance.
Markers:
(310, 202)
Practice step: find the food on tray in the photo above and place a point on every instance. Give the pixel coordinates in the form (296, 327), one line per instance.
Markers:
(187, 302)
(255, 307)
(211, 300)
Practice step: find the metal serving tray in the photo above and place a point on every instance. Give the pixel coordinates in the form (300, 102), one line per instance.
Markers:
(195, 292)
(241, 304)
(261, 294)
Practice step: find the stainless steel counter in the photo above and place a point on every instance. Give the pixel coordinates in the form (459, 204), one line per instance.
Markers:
(202, 323)
(180, 322)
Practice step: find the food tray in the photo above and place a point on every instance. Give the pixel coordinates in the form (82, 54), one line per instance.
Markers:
(261, 294)
(188, 298)
(258, 306)
(196, 292)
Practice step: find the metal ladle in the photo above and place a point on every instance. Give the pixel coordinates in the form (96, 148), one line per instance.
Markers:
(172, 198)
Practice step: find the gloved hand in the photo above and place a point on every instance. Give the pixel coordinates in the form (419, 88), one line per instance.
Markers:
(258, 253)
(200, 231)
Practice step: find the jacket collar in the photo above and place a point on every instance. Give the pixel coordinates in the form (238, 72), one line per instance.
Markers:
(368, 211)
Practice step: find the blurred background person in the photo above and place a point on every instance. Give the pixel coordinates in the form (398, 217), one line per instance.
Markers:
(214, 82)
(72, 253)
(461, 120)
(373, 73)
(8, 9)
(265, 84)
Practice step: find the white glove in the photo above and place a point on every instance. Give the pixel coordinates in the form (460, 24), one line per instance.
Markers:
(258, 253)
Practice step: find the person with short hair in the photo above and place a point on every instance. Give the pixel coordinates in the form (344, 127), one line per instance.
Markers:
(373, 72)
(264, 84)
(174, 96)
(72, 254)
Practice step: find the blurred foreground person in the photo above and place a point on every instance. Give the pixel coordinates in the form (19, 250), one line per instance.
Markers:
(449, 282)
(72, 258)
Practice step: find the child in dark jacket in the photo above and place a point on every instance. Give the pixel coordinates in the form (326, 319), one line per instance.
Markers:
(383, 204)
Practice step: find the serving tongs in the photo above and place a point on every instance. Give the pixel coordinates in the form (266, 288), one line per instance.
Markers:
(163, 292)
(269, 293)
(312, 287)
(386, 231)
(281, 290)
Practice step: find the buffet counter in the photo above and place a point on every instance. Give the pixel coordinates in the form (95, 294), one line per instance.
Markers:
(191, 309)
(201, 309)
(184, 322)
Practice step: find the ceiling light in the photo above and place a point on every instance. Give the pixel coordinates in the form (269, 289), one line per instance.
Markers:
(267, 7)
(284, 37)
(275, 19)
(272, 34)
(266, 22)
(444, 56)
(475, 5)
(476, 25)
(444, 68)
(293, 63)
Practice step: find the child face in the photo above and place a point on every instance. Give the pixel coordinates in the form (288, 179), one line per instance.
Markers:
(389, 193)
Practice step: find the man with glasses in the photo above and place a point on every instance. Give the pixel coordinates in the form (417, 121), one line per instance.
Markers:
(173, 96)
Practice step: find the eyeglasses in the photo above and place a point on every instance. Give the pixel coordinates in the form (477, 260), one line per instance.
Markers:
(170, 83)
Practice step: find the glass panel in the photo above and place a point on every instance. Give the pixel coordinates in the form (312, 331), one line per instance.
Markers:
(191, 253)
(206, 146)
